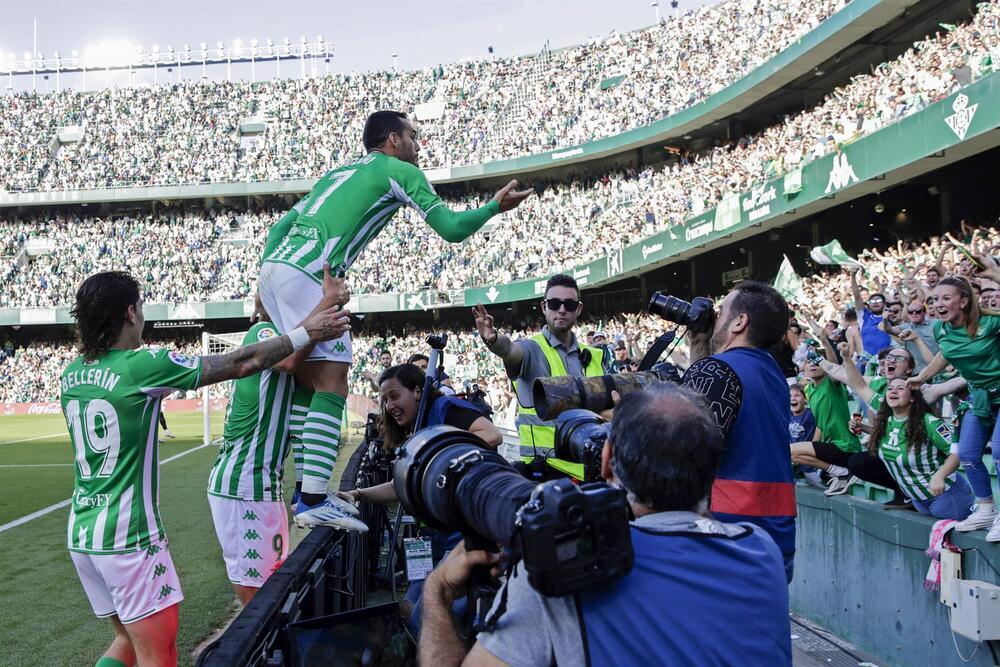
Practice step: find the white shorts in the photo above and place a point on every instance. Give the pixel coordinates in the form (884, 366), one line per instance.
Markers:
(133, 586)
(253, 536)
(289, 295)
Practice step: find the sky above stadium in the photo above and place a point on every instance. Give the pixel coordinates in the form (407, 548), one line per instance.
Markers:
(364, 34)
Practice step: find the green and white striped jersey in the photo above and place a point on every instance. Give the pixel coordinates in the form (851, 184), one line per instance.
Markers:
(349, 206)
(913, 470)
(255, 438)
(112, 406)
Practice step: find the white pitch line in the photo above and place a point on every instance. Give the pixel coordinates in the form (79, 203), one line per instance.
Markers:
(40, 437)
(52, 508)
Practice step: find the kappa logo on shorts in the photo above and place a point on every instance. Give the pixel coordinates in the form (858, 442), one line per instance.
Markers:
(253, 573)
(339, 347)
(251, 534)
(153, 550)
(251, 554)
(250, 516)
(160, 569)
(165, 591)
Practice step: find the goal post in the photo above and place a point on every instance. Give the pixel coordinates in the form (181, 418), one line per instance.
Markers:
(217, 394)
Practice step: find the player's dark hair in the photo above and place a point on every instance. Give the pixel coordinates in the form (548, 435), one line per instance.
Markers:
(380, 125)
(101, 303)
(766, 309)
(562, 280)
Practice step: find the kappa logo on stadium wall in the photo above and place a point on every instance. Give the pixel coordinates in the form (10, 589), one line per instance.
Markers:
(841, 174)
(960, 121)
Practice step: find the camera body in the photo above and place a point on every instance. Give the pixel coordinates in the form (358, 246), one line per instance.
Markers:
(574, 537)
(373, 430)
(569, 537)
(698, 315)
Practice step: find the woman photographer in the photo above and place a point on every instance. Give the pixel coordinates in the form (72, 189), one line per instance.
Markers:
(401, 387)
(916, 449)
(970, 341)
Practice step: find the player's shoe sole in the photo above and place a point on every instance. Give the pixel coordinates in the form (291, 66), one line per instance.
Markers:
(326, 513)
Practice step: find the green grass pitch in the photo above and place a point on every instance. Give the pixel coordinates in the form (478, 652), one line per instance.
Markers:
(45, 618)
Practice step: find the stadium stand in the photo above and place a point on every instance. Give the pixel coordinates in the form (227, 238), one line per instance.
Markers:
(588, 217)
(190, 133)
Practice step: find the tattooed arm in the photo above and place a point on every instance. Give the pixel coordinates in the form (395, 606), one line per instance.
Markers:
(249, 359)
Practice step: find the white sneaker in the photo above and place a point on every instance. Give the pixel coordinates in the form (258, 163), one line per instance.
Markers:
(327, 513)
(839, 485)
(994, 534)
(983, 516)
(168, 434)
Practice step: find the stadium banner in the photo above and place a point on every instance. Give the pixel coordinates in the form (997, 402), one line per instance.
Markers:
(53, 407)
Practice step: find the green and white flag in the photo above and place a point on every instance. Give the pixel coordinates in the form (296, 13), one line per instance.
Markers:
(793, 182)
(833, 253)
(788, 283)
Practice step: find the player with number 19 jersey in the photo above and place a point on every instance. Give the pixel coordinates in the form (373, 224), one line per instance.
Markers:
(111, 405)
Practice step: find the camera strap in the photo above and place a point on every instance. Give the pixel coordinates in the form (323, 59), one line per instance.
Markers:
(655, 350)
(488, 624)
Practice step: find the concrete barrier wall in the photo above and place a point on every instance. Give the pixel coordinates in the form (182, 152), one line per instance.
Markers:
(859, 571)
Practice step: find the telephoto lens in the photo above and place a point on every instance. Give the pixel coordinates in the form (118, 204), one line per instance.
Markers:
(430, 476)
(698, 315)
(578, 432)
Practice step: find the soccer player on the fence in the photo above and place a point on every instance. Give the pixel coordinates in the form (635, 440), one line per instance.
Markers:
(110, 396)
(244, 487)
(344, 212)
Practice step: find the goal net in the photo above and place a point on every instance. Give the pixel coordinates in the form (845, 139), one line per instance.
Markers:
(214, 398)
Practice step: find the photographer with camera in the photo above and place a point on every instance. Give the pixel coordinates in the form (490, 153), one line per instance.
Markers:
(400, 388)
(553, 352)
(694, 580)
(749, 396)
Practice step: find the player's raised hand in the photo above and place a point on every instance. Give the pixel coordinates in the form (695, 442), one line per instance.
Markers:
(328, 324)
(484, 323)
(509, 198)
(258, 310)
(335, 289)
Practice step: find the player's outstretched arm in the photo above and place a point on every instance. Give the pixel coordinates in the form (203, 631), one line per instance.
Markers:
(249, 359)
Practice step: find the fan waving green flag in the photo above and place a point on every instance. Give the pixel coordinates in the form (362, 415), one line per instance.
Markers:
(833, 253)
(788, 283)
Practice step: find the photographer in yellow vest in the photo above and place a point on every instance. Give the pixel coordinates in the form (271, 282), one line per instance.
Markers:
(553, 352)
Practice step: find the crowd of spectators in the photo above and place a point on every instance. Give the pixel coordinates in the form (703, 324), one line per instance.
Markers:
(189, 132)
(566, 224)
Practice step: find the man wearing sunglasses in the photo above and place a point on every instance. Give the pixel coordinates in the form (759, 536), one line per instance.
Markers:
(553, 352)
(872, 311)
(916, 327)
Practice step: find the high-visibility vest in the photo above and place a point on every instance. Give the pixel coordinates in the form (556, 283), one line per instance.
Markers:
(538, 436)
